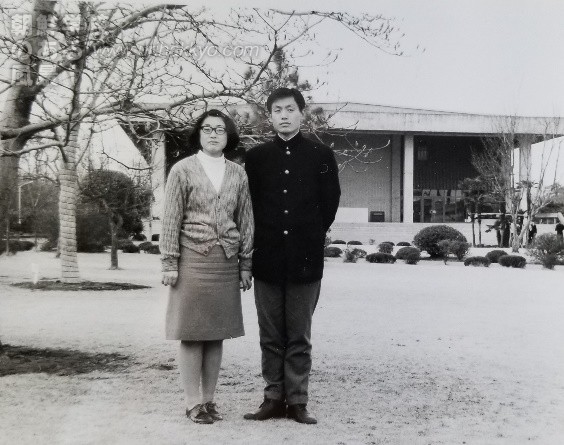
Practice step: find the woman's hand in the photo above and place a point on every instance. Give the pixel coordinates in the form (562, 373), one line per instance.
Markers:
(246, 280)
(170, 277)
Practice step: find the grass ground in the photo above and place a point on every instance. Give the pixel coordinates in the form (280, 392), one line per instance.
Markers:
(426, 354)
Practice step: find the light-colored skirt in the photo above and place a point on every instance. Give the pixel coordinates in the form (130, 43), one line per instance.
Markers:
(205, 303)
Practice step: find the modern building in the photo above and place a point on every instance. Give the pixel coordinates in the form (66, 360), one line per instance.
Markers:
(397, 165)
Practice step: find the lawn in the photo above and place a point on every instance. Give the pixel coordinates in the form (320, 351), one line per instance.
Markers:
(425, 354)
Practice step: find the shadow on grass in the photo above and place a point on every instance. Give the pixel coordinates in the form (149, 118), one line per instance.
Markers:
(83, 285)
(25, 360)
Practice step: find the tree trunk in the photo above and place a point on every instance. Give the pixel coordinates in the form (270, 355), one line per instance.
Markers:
(473, 231)
(67, 210)
(114, 250)
(479, 230)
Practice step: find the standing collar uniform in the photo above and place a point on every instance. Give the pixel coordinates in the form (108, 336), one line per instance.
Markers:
(295, 193)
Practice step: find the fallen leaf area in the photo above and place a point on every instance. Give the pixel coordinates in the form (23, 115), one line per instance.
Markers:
(26, 360)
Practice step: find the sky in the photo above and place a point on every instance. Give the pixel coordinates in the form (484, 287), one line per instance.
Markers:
(486, 57)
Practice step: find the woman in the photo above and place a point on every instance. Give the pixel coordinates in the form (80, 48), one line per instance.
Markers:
(206, 245)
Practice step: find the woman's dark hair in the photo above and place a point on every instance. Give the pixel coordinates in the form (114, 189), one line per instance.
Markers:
(282, 93)
(230, 128)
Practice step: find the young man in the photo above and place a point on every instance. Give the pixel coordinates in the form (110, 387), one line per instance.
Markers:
(295, 192)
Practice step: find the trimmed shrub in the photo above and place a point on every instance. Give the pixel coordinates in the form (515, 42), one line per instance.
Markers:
(339, 241)
(130, 248)
(48, 246)
(402, 253)
(413, 257)
(403, 243)
(443, 247)
(354, 243)
(144, 246)
(385, 248)
(428, 238)
(94, 247)
(15, 246)
(388, 242)
(139, 237)
(516, 261)
(123, 243)
(359, 252)
(495, 255)
(459, 249)
(153, 250)
(380, 257)
(332, 252)
(477, 261)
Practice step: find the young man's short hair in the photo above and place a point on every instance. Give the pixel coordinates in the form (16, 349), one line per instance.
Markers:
(282, 93)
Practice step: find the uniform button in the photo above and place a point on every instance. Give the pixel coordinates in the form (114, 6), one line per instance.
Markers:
(287, 172)
(286, 212)
(284, 191)
(285, 232)
(288, 152)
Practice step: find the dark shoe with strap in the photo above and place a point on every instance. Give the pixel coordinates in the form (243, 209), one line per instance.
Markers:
(211, 409)
(300, 414)
(198, 414)
(268, 409)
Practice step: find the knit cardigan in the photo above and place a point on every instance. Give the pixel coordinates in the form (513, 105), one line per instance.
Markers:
(197, 217)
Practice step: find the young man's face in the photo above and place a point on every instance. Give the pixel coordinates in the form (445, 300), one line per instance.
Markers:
(285, 116)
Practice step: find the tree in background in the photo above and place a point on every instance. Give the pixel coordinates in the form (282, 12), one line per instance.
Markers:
(504, 166)
(122, 202)
(474, 194)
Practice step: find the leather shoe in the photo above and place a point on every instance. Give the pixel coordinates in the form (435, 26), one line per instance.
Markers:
(268, 409)
(198, 414)
(299, 414)
(211, 409)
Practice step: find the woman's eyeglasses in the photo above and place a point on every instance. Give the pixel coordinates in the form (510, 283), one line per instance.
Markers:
(208, 130)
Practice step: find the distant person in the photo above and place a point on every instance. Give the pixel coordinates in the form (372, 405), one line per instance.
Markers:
(559, 230)
(295, 190)
(532, 232)
(206, 246)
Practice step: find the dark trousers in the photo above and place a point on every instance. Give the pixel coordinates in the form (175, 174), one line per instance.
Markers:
(284, 315)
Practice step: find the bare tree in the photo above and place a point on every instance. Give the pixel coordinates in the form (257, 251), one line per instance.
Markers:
(505, 168)
(113, 62)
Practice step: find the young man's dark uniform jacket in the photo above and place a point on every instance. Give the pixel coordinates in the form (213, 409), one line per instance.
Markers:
(295, 193)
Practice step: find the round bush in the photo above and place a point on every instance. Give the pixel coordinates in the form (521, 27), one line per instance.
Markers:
(339, 241)
(359, 253)
(495, 255)
(403, 243)
(354, 243)
(145, 245)
(385, 248)
(547, 249)
(380, 257)
(153, 250)
(477, 261)
(428, 238)
(130, 248)
(48, 246)
(124, 243)
(459, 249)
(516, 261)
(388, 242)
(332, 252)
(549, 261)
(402, 253)
(413, 257)
(349, 257)
(139, 237)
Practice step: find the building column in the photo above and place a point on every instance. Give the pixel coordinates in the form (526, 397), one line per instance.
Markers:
(524, 141)
(395, 179)
(408, 154)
